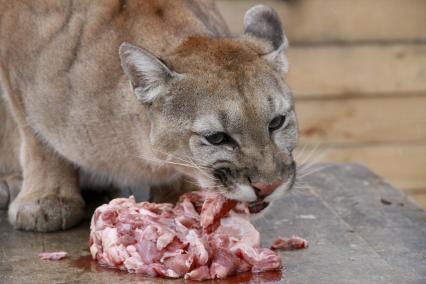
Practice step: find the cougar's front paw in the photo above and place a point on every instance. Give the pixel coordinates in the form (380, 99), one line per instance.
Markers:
(45, 213)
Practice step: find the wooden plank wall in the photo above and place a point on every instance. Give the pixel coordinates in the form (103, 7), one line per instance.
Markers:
(358, 71)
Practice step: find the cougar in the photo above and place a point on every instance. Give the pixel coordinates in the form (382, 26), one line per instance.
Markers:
(129, 92)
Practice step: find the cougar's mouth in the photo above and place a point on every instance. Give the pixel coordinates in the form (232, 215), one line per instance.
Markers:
(257, 206)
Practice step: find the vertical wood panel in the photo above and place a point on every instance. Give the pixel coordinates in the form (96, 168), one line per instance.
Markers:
(338, 20)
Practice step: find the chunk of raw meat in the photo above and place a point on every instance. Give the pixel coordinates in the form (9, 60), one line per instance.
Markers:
(57, 255)
(205, 236)
(289, 243)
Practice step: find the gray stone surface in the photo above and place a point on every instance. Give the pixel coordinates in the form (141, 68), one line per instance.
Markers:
(360, 229)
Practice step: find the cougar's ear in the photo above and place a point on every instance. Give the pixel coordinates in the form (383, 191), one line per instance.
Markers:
(263, 23)
(148, 75)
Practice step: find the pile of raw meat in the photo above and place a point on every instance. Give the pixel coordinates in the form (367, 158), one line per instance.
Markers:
(205, 236)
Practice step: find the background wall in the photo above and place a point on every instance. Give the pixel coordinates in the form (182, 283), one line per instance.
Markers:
(358, 71)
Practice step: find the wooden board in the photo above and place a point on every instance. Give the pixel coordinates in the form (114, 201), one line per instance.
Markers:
(312, 21)
(354, 238)
(418, 195)
(357, 70)
(388, 224)
(363, 120)
(403, 166)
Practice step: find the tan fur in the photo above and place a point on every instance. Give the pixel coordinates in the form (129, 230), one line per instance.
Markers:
(62, 81)
(10, 169)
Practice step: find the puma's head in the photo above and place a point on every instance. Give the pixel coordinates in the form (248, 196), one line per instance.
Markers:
(220, 110)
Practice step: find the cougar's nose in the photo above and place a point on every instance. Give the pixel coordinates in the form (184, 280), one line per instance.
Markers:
(265, 189)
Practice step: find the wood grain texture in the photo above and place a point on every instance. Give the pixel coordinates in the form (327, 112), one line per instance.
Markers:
(354, 238)
(403, 165)
(357, 70)
(395, 229)
(313, 21)
(363, 120)
(418, 195)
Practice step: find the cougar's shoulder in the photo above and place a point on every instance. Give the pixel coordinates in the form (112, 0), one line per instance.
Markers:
(68, 76)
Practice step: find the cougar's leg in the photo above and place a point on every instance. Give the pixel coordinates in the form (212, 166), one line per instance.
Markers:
(4, 195)
(10, 168)
(50, 197)
(9, 189)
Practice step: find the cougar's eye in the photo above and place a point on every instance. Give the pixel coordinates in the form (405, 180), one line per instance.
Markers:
(217, 138)
(276, 123)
